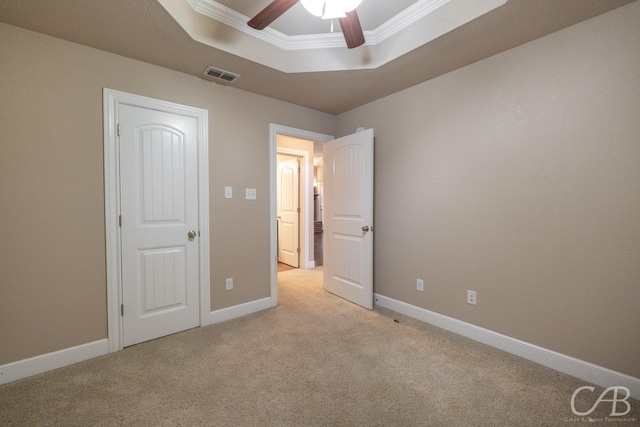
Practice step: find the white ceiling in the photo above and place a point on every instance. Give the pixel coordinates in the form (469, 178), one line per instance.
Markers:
(146, 31)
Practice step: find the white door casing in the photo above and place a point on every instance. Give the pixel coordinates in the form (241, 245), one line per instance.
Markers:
(288, 184)
(159, 227)
(156, 222)
(348, 227)
(274, 131)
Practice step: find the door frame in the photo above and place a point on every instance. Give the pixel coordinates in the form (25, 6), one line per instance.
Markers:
(112, 99)
(274, 131)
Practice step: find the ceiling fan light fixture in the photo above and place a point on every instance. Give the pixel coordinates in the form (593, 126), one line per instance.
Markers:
(330, 9)
(344, 10)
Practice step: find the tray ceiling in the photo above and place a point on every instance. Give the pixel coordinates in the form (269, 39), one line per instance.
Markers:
(398, 31)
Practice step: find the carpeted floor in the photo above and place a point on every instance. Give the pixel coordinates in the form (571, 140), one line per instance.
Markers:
(315, 360)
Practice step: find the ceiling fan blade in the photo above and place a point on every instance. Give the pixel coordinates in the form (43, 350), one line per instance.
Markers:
(352, 30)
(270, 13)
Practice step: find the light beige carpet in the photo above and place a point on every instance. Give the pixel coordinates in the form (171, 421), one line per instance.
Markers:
(315, 360)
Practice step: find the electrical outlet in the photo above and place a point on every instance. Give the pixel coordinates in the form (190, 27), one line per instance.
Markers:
(250, 193)
(420, 285)
(472, 298)
(229, 283)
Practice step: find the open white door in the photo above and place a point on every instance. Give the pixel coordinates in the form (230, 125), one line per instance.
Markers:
(348, 247)
(288, 185)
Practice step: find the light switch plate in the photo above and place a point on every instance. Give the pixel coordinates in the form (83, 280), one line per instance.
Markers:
(251, 194)
(228, 192)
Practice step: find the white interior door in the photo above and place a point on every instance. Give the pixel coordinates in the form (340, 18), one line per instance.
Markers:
(348, 245)
(288, 200)
(159, 229)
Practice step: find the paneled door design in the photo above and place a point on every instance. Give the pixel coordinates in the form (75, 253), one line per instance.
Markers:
(348, 248)
(159, 223)
(288, 188)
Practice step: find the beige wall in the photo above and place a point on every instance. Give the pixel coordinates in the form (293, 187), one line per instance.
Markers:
(52, 268)
(519, 177)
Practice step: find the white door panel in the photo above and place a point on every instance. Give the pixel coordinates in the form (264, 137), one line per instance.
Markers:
(289, 212)
(159, 207)
(348, 181)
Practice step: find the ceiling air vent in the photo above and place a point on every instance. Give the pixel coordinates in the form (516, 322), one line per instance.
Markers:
(219, 74)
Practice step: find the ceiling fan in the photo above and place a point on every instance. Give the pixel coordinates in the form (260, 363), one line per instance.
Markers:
(343, 10)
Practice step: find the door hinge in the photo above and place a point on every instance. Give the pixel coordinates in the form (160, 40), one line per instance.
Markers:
(298, 210)
(298, 250)
(120, 220)
(118, 129)
(121, 309)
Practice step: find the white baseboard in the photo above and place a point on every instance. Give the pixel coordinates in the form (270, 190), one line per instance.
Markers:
(47, 362)
(68, 356)
(240, 310)
(586, 371)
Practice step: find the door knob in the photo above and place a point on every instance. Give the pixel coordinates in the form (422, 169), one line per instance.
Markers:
(365, 228)
(191, 234)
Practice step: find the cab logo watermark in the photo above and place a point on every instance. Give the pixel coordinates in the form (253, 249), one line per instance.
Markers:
(616, 396)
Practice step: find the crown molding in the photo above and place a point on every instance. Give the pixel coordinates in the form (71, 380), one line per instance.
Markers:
(402, 20)
(238, 21)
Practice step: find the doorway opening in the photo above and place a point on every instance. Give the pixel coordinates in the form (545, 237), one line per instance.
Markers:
(348, 184)
(290, 145)
(291, 206)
